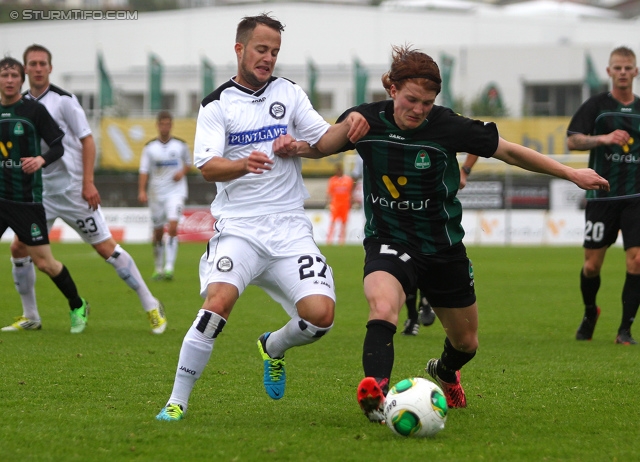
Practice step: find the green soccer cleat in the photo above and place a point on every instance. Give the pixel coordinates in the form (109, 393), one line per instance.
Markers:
(157, 319)
(171, 413)
(23, 323)
(274, 373)
(157, 276)
(168, 275)
(79, 317)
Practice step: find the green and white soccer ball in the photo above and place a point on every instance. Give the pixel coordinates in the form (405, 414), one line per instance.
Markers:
(415, 407)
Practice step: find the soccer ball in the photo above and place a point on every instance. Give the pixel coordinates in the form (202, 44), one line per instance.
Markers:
(415, 407)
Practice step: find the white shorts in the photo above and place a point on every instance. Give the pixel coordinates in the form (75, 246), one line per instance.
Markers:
(166, 209)
(75, 211)
(275, 252)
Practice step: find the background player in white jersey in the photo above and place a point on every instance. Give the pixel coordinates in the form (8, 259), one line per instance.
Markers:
(162, 182)
(263, 236)
(70, 194)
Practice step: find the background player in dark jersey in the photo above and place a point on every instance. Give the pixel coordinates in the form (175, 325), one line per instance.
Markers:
(23, 124)
(413, 231)
(608, 125)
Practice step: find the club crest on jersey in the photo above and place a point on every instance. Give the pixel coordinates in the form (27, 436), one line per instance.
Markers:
(422, 160)
(225, 264)
(18, 129)
(277, 110)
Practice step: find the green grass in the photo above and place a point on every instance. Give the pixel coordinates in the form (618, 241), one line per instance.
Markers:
(534, 393)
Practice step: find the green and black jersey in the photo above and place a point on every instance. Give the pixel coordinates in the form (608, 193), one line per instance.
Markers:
(620, 165)
(22, 126)
(411, 177)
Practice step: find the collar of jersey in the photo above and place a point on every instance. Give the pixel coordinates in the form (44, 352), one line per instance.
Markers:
(249, 91)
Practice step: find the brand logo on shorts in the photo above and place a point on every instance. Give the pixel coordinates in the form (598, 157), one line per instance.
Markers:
(225, 264)
(35, 230)
(277, 110)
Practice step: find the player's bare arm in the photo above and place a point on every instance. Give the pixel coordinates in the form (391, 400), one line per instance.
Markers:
(351, 129)
(221, 169)
(528, 159)
(143, 178)
(89, 191)
(582, 142)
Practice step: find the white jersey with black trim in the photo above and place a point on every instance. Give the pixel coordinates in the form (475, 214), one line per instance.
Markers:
(233, 121)
(66, 110)
(161, 161)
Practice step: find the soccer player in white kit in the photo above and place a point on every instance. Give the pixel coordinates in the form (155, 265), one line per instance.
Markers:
(263, 236)
(162, 183)
(70, 194)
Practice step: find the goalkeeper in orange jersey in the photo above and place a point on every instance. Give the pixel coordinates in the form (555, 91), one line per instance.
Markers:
(339, 191)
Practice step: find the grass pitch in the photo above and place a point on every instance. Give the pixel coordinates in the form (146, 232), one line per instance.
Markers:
(534, 393)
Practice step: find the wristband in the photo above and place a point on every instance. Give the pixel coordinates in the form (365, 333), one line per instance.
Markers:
(466, 170)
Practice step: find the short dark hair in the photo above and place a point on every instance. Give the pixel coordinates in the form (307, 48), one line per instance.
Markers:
(164, 114)
(10, 63)
(249, 23)
(35, 47)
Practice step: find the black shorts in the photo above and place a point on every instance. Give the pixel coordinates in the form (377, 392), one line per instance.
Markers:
(604, 219)
(445, 278)
(27, 219)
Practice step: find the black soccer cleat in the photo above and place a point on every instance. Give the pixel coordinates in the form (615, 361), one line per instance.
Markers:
(585, 331)
(625, 338)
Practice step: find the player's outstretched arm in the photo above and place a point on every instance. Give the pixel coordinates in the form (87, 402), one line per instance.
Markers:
(351, 129)
(528, 159)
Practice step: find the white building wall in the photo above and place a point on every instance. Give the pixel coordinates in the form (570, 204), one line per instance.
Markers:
(487, 46)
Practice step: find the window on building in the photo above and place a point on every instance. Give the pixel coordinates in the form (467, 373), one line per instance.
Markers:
(379, 96)
(552, 100)
(87, 101)
(325, 101)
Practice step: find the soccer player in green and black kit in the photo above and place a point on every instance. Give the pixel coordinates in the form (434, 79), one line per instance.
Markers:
(608, 125)
(413, 220)
(22, 125)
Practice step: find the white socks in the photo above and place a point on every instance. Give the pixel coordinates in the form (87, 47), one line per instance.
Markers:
(170, 253)
(194, 355)
(129, 273)
(296, 332)
(24, 277)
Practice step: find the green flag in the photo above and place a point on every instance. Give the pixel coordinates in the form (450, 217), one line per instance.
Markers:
(155, 83)
(106, 89)
(361, 77)
(446, 69)
(208, 80)
(312, 74)
(591, 78)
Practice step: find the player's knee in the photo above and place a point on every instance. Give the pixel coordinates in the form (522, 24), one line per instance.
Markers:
(19, 249)
(591, 270)
(467, 343)
(633, 263)
(317, 309)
